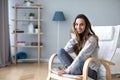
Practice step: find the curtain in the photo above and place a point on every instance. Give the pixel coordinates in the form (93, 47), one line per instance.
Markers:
(5, 58)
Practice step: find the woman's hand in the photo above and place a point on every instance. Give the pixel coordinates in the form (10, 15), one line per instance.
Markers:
(61, 72)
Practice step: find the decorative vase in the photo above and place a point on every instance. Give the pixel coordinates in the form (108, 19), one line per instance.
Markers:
(28, 3)
(30, 28)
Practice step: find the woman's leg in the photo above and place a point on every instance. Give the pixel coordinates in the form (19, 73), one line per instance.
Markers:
(92, 74)
(67, 60)
(77, 67)
(64, 57)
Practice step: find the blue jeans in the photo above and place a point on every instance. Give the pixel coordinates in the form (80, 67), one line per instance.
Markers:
(66, 60)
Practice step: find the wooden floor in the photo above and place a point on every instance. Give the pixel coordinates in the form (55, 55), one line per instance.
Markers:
(24, 71)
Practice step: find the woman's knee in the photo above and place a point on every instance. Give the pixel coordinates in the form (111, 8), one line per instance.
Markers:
(61, 51)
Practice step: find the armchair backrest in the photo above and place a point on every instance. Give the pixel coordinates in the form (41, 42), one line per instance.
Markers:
(108, 42)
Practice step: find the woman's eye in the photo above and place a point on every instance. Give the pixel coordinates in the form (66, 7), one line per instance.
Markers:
(76, 24)
(81, 24)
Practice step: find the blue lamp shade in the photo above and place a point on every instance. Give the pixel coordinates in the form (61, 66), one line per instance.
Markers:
(58, 16)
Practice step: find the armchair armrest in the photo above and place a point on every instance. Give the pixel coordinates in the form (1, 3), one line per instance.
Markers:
(51, 61)
(101, 61)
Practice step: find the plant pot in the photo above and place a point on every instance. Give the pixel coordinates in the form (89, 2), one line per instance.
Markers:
(28, 3)
(36, 30)
(31, 17)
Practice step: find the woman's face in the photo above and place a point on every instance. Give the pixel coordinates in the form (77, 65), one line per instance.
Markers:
(80, 25)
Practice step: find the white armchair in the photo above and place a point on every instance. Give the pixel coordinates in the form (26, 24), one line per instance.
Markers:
(109, 36)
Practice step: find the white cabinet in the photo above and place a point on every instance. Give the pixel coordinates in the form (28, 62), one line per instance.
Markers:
(19, 33)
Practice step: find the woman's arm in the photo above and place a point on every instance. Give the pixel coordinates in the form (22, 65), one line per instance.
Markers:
(69, 46)
(87, 50)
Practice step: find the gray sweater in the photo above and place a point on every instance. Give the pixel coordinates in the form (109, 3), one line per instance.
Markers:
(90, 49)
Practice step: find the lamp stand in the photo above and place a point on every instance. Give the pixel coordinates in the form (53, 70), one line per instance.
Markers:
(58, 34)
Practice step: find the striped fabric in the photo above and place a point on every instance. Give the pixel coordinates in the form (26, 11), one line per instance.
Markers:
(89, 49)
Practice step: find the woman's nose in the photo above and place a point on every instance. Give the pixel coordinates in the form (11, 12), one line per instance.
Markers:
(79, 26)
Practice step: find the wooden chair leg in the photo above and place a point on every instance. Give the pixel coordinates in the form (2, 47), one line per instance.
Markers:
(48, 78)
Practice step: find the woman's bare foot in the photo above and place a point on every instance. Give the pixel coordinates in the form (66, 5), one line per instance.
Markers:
(61, 68)
(61, 72)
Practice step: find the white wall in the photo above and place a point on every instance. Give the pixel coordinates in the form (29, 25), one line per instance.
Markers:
(99, 12)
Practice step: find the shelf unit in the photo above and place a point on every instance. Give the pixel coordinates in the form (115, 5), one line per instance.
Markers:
(16, 22)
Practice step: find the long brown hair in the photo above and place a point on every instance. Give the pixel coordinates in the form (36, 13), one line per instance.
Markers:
(82, 38)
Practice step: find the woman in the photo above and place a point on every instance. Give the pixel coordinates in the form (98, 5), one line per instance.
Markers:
(84, 45)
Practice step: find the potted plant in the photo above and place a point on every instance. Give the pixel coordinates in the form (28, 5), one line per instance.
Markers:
(36, 28)
(31, 15)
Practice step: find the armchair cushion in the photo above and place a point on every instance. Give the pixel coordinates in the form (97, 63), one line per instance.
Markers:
(104, 32)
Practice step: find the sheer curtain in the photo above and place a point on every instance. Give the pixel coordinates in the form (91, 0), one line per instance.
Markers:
(4, 34)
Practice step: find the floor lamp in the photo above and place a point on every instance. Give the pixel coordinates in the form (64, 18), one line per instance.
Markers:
(58, 16)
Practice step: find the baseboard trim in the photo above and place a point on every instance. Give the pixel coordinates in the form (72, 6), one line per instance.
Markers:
(32, 60)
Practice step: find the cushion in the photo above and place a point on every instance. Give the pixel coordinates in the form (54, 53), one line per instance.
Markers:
(55, 71)
(104, 32)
